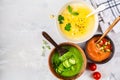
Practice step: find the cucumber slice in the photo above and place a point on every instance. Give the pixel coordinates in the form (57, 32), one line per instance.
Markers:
(72, 68)
(72, 60)
(66, 64)
(60, 68)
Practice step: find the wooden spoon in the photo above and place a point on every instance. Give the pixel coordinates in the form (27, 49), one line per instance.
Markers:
(60, 50)
(109, 28)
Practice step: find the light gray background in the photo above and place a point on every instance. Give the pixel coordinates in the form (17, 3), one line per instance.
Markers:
(21, 24)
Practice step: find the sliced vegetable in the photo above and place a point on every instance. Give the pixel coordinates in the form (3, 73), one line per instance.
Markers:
(68, 27)
(66, 64)
(72, 68)
(60, 68)
(72, 60)
(104, 45)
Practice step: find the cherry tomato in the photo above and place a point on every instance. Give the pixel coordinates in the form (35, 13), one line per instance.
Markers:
(104, 40)
(109, 47)
(101, 43)
(92, 66)
(96, 75)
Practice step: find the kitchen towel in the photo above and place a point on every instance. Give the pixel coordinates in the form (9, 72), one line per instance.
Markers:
(109, 14)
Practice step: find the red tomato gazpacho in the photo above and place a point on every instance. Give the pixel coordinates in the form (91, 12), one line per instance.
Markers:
(99, 51)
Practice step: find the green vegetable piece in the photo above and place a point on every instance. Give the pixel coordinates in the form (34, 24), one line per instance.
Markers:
(72, 60)
(69, 8)
(60, 19)
(68, 27)
(72, 68)
(60, 68)
(75, 13)
(66, 64)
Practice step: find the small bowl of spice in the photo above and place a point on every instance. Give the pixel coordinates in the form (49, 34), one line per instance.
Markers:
(70, 65)
(100, 52)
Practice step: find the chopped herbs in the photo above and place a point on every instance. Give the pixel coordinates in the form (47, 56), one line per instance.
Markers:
(44, 47)
(71, 11)
(67, 27)
(60, 19)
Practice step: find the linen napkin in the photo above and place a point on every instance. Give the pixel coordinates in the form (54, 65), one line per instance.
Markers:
(109, 14)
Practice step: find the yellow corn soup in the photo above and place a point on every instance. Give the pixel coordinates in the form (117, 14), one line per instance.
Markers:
(73, 21)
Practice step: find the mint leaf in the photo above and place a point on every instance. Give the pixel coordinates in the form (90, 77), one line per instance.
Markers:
(69, 8)
(68, 27)
(75, 13)
(60, 19)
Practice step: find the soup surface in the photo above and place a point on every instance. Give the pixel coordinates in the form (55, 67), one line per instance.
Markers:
(100, 51)
(73, 22)
(68, 64)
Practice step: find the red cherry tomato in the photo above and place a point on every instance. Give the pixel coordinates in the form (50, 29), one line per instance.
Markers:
(101, 43)
(104, 40)
(92, 66)
(96, 75)
(109, 47)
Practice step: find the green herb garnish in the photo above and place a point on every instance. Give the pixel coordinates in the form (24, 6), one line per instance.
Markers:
(45, 47)
(69, 8)
(60, 19)
(71, 11)
(75, 13)
(67, 27)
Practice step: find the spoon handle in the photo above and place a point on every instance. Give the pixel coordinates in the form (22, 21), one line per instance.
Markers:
(110, 27)
(100, 8)
(49, 39)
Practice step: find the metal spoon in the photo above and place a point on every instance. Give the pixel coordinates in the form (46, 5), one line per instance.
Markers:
(60, 50)
(100, 8)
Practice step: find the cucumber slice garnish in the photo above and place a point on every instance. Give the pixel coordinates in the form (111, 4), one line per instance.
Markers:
(72, 60)
(66, 64)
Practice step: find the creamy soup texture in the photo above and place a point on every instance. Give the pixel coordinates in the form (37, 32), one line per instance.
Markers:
(73, 22)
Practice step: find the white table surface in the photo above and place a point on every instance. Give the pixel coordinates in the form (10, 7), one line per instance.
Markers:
(21, 24)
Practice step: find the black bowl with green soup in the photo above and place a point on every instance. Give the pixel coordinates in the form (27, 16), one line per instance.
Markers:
(70, 65)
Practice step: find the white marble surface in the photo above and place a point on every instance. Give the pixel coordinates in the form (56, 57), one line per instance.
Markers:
(21, 24)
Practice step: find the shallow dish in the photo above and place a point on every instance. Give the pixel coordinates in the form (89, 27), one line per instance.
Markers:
(73, 24)
(72, 65)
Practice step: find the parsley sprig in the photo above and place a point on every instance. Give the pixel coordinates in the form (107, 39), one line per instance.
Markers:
(60, 19)
(68, 27)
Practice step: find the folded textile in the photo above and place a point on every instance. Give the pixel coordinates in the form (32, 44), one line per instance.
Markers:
(107, 16)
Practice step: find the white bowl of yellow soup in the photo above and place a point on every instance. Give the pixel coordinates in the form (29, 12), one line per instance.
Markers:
(73, 24)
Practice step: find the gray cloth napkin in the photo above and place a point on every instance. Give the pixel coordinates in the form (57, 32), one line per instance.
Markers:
(107, 16)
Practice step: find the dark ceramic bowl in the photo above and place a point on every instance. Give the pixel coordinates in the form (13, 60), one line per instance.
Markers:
(82, 68)
(105, 60)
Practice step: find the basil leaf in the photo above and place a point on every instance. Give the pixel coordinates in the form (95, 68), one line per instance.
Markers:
(60, 19)
(69, 8)
(71, 11)
(68, 27)
(75, 13)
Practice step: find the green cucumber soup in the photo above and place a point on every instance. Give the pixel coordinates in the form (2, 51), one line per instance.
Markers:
(69, 64)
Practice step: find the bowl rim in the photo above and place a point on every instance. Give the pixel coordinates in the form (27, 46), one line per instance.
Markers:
(95, 25)
(83, 66)
(107, 59)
